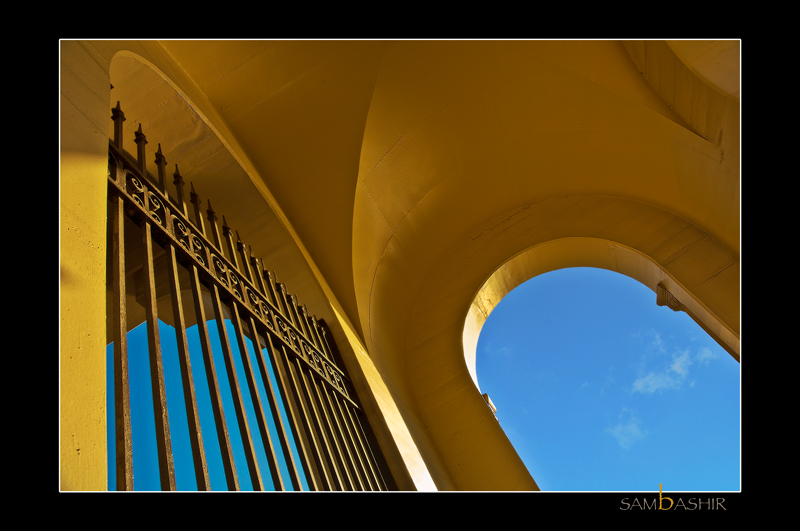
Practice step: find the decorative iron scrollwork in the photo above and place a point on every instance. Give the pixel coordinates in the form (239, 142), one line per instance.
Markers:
(283, 329)
(198, 248)
(340, 384)
(134, 188)
(267, 315)
(306, 350)
(155, 205)
(220, 269)
(236, 285)
(255, 302)
(180, 232)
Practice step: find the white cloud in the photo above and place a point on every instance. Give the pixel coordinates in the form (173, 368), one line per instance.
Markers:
(705, 354)
(627, 433)
(675, 373)
(490, 350)
(656, 381)
(680, 363)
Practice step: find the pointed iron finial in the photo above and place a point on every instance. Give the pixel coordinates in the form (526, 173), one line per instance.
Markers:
(140, 142)
(177, 174)
(118, 116)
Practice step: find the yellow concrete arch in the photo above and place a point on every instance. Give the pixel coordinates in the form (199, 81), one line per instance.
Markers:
(632, 238)
(586, 252)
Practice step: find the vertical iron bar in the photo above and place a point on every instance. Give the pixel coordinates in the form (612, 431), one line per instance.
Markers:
(354, 459)
(366, 467)
(212, 219)
(161, 161)
(340, 437)
(272, 291)
(245, 264)
(258, 273)
(177, 180)
(141, 141)
(261, 418)
(118, 116)
(318, 422)
(165, 462)
(315, 333)
(284, 435)
(189, 396)
(213, 384)
(285, 302)
(306, 324)
(326, 348)
(295, 411)
(366, 449)
(198, 216)
(122, 406)
(335, 453)
(226, 233)
(238, 401)
(296, 315)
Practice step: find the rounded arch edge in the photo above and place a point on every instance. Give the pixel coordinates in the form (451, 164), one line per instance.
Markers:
(599, 253)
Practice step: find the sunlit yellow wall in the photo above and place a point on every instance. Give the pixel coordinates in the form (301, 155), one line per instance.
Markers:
(83, 190)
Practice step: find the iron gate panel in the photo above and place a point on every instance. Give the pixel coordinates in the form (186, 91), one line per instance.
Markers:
(293, 405)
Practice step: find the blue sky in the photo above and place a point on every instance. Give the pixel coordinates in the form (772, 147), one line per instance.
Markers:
(600, 389)
(145, 458)
(597, 387)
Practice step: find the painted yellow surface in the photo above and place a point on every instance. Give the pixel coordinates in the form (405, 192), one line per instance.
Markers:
(82, 231)
(401, 189)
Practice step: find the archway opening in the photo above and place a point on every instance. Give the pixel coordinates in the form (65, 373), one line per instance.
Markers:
(600, 389)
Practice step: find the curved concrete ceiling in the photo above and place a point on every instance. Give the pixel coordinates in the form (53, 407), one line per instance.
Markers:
(208, 168)
(463, 136)
(377, 149)
(402, 164)
(298, 109)
(382, 149)
(716, 62)
(323, 120)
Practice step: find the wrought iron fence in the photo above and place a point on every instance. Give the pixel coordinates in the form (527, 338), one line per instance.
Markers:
(296, 422)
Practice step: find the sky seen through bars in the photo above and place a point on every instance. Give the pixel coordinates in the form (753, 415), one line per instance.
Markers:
(145, 459)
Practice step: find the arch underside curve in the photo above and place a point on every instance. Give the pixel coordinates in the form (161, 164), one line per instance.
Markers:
(588, 252)
(196, 143)
(641, 241)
